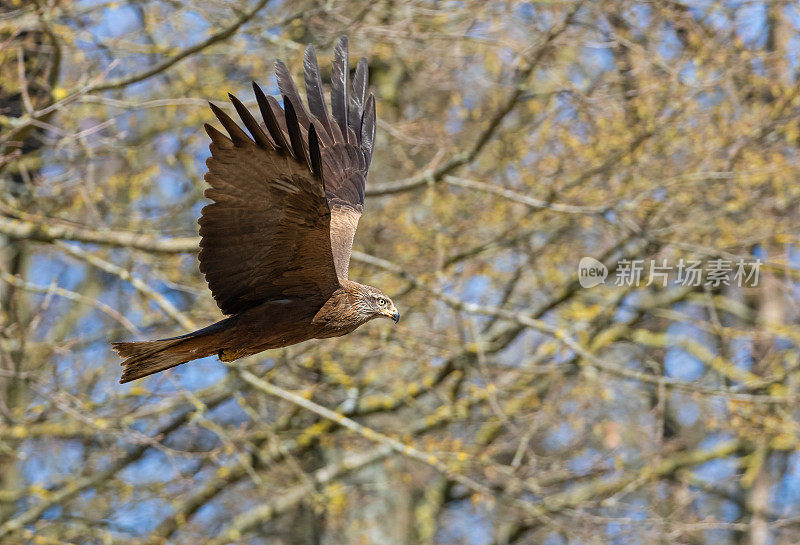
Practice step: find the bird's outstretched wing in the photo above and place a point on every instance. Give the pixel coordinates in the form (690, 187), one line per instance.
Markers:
(288, 196)
(346, 137)
(266, 236)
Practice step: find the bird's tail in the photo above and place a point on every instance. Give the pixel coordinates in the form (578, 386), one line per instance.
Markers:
(148, 357)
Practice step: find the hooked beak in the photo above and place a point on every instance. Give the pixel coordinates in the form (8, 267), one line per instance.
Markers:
(390, 313)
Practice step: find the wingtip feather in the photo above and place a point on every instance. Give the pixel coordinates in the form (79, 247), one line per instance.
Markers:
(314, 152)
(237, 135)
(287, 88)
(250, 122)
(314, 93)
(273, 127)
(368, 129)
(293, 127)
(217, 137)
(358, 97)
(340, 74)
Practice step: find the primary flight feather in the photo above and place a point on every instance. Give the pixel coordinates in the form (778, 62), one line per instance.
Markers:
(276, 240)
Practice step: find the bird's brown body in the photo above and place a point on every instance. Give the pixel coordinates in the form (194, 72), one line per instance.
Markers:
(282, 323)
(276, 241)
(273, 324)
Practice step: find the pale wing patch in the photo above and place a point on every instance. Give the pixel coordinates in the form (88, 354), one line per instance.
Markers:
(344, 221)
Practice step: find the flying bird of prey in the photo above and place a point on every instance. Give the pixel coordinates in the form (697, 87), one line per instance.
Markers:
(276, 240)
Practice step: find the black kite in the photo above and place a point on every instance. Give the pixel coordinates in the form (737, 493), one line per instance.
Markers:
(276, 241)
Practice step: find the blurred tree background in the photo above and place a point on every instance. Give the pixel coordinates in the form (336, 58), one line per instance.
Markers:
(510, 405)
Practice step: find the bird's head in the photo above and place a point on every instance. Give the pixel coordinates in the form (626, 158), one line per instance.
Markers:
(373, 303)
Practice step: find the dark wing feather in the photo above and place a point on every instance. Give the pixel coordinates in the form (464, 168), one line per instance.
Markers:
(316, 99)
(340, 74)
(339, 145)
(238, 136)
(358, 98)
(270, 121)
(252, 125)
(295, 136)
(266, 236)
(314, 152)
(278, 114)
(288, 89)
(368, 129)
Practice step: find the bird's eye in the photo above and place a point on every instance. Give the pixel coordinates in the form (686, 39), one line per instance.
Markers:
(381, 302)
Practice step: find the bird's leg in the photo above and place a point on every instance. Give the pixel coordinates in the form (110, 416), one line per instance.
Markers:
(230, 354)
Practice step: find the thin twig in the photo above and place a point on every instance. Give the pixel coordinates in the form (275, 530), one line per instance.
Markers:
(365, 432)
(135, 281)
(72, 296)
(531, 202)
(436, 175)
(273, 507)
(164, 65)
